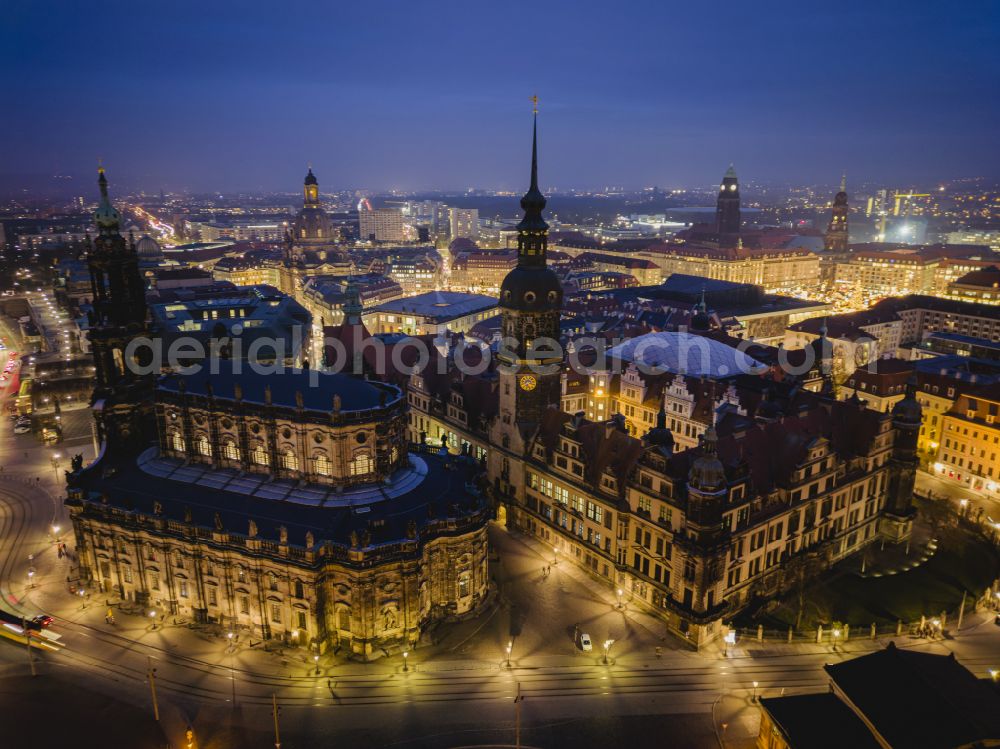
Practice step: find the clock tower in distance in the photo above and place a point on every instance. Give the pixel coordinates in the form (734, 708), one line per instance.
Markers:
(531, 296)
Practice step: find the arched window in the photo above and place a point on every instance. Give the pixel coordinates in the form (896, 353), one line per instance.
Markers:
(229, 449)
(289, 460)
(258, 455)
(321, 464)
(361, 464)
(177, 442)
(201, 445)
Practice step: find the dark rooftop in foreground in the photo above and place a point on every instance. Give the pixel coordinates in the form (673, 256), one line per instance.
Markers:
(918, 699)
(818, 721)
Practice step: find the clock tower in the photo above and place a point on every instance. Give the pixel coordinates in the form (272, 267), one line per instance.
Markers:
(836, 232)
(530, 356)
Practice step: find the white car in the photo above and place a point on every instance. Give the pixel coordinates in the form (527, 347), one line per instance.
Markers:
(22, 428)
(585, 644)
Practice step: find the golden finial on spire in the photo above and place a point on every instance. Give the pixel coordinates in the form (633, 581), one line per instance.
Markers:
(100, 165)
(534, 104)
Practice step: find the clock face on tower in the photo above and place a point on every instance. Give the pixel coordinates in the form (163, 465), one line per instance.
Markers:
(527, 382)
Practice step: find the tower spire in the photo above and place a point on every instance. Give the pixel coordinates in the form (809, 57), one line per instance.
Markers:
(533, 231)
(843, 182)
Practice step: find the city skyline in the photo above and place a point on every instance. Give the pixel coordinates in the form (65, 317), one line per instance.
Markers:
(439, 106)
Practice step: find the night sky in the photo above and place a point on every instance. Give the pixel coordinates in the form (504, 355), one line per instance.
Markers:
(435, 95)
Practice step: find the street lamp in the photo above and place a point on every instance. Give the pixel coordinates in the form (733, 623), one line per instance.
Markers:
(836, 638)
(555, 555)
(620, 592)
(316, 661)
(405, 656)
(510, 646)
(152, 617)
(607, 647)
(31, 577)
(754, 697)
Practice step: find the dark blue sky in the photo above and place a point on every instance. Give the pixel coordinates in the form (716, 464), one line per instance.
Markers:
(414, 95)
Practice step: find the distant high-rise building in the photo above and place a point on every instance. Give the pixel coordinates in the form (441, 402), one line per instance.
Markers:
(727, 208)
(464, 223)
(836, 231)
(381, 224)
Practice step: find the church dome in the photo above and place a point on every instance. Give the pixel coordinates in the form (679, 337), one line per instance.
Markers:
(148, 248)
(311, 178)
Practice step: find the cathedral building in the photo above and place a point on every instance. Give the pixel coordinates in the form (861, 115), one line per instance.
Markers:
(780, 483)
(284, 503)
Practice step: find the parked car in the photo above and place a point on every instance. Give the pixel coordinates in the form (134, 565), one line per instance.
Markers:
(585, 644)
(22, 428)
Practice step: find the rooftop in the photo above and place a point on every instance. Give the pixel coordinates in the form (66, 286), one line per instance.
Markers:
(685, 353)
(440, 305)
(317, 388)
(818, 721)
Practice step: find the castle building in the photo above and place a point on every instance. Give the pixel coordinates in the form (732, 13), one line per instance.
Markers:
(774, 487)
(286, 502)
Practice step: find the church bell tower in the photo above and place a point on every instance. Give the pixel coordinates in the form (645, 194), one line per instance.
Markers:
(836, 232)
(727, 209)
(530, 302)
(118, 317)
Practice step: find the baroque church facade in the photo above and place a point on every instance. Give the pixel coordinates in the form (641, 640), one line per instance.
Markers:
(287, 504)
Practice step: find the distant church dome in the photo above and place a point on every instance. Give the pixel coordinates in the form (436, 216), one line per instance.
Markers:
(148, 248)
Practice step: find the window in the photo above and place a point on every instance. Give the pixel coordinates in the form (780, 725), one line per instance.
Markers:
(229, 450)
(213, 596)
(645, 504)
(361, 465)
(244, 605)
(276, 613)
(241, 574)
(258, 455)
(201, 445)
(595, 513)
(302, 619)
(289, 461)
(272, 581)
(666, 515)
(299, 592)
(127, 572)
(463, 586)
(177, 442)
(154, 580)
(183, 586)
(321, 464)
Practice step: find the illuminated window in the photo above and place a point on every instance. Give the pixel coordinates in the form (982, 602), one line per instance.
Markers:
(229, 450)
(258, 455)
(361, 464)
(177, 442)
(321, 464)
(289, 461)
(201, 445)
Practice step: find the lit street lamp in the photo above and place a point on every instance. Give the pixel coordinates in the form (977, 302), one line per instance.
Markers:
(152, 617)
(316, 661)
(836, 638)
(31, 577)
(405, 656)
(607, 647)
(754, 697)
(510, 645)
(620, 597)
(555, 555)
